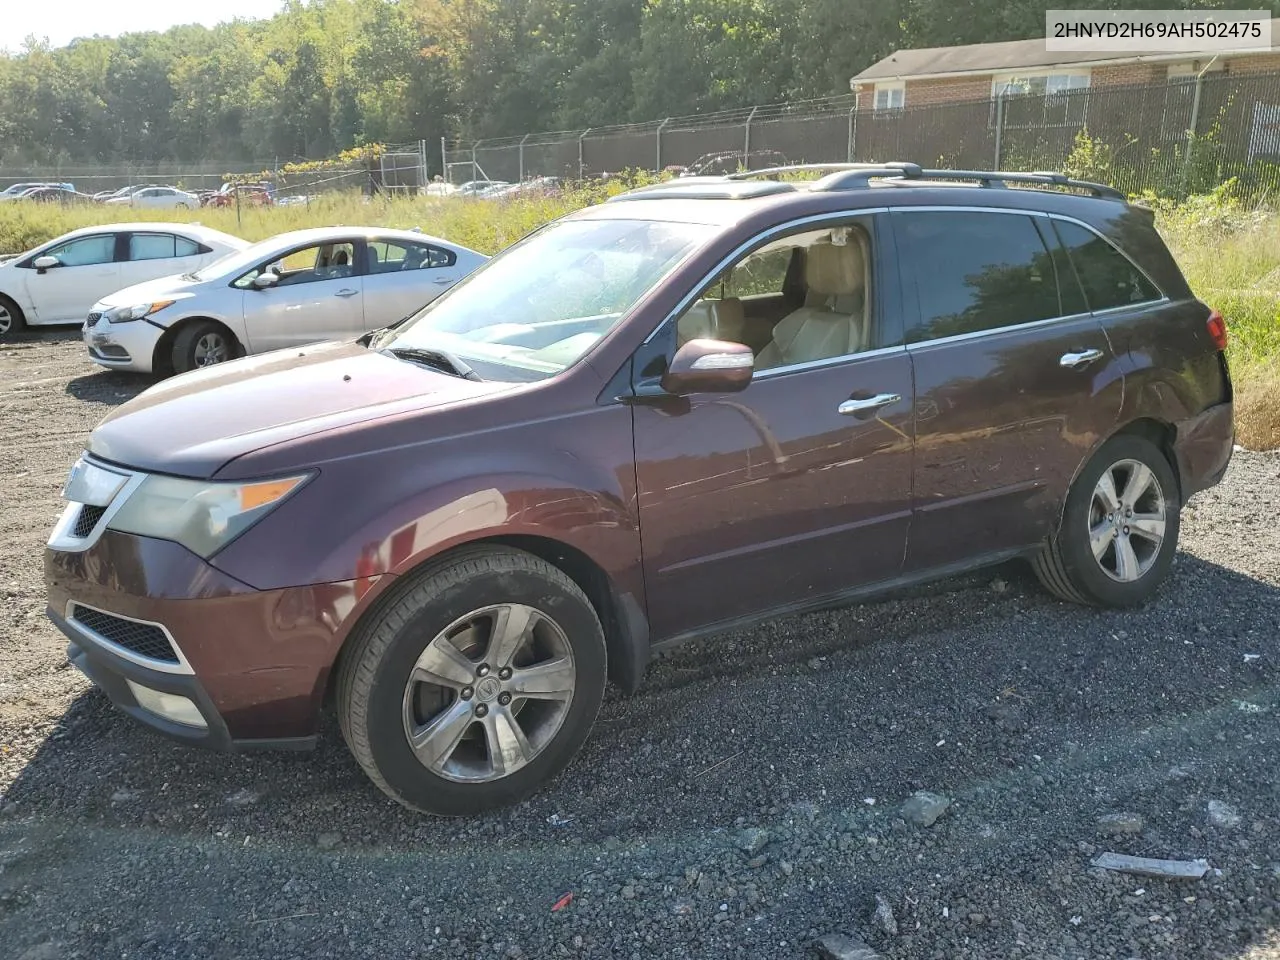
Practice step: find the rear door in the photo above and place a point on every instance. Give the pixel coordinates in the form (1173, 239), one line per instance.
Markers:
(151, 255)
(402, 276)
(88, 272)
(1015, 380)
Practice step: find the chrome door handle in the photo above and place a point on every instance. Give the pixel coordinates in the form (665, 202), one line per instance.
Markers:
(1078, 361)
(346, 293)
(442, 281)
(862, 408)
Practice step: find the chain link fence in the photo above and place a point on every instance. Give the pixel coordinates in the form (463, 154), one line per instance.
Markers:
(1185, 135)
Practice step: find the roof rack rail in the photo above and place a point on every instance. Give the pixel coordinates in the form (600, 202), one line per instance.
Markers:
(998, 179)
(801, 168)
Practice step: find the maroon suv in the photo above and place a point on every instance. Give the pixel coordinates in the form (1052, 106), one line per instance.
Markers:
(696, 406)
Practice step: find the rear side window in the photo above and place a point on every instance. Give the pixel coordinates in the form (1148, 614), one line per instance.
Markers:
(151, 246)
(1108, 277)
(975, 271)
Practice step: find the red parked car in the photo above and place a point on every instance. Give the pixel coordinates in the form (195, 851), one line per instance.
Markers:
(699, 405)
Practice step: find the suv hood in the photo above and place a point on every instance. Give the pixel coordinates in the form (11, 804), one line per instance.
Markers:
(194, 424)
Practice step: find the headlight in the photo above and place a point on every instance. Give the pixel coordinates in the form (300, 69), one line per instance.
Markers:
(201, 515)
(136, 312)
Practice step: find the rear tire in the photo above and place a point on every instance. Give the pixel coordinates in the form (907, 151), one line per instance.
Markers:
(1119, 528)
(430, 689)
(202, 343)
(12, 322)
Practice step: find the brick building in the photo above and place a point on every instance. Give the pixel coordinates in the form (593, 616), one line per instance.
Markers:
(980, 71)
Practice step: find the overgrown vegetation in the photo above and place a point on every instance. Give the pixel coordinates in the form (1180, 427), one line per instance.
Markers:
(1229, 250)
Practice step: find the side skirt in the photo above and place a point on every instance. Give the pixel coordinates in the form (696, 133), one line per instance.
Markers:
(846, 597)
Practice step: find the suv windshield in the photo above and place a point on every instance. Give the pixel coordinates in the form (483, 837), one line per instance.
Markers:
(535, 309)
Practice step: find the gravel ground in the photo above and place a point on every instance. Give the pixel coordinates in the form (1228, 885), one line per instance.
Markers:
(747, 800)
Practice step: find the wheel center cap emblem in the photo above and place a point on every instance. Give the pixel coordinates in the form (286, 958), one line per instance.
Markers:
(488, 689)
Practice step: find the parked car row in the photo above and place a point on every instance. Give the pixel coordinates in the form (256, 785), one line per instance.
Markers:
(499, 189)
(168, 297)
(677, 413)
(151, 196)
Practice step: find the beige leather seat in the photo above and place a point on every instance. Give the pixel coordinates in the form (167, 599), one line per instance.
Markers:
(833, 320)
(712, 320)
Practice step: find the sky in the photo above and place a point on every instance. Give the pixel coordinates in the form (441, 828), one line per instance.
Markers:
(64, 20)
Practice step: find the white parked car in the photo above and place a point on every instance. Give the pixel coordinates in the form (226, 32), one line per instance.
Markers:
(329, 283)
(158, 198)
(59, 281)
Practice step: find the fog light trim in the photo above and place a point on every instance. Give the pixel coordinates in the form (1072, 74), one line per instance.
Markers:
(171, 706)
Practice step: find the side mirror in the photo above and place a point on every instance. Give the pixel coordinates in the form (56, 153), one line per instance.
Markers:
(264, 281)
(46, 263)
(709, 366)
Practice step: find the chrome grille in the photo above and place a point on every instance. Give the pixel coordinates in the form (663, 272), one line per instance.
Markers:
(144, 639)
(93, 317)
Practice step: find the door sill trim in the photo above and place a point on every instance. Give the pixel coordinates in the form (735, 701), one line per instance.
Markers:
(846, 597)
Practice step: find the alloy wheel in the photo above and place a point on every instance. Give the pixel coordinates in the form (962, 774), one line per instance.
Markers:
(6, 320)
(210, 349)
(489, 693)
(1127, 520)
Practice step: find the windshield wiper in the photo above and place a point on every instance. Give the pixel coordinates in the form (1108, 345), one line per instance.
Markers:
(192, 276)
(435, 358)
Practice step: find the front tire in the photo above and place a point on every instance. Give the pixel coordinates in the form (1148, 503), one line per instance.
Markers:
(202, 344)
(474, 686)
(12, 322)
(1119, 528)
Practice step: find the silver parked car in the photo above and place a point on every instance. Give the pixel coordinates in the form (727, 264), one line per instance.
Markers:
(323, 284)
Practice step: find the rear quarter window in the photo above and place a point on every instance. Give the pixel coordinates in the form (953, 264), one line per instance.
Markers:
(1108, 277)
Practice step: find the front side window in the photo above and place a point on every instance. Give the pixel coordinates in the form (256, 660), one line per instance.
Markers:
(975, 271)
(1109, 278)
(323, 261)
(85, 251)
(801, 298)
(537, 307)
(151, 246)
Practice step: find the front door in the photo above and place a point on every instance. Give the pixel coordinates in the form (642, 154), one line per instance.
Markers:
(88, 272)
(797, 488)
(1015, 381)
(318, 297)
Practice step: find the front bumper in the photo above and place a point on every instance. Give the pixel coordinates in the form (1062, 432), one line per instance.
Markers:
(121, 346)
(1202, 447)
(254, 662)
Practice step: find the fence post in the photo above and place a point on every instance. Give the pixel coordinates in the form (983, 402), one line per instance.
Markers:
(1192, 127)
(999, 126)
(658, 168)
(582, 170)
(522, 140)
(852, 149)
(444, 161)
(474, 165)
(746, 139)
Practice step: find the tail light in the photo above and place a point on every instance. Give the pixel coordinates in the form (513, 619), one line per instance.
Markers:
(1217, 330)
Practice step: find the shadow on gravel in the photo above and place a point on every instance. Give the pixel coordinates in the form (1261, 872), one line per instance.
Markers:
(1035, 717)
(109, 387)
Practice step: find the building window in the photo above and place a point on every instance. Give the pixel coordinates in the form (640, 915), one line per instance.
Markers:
(889, 96)
(1042, 98)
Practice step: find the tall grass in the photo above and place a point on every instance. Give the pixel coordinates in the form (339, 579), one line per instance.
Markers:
(1229, 252)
